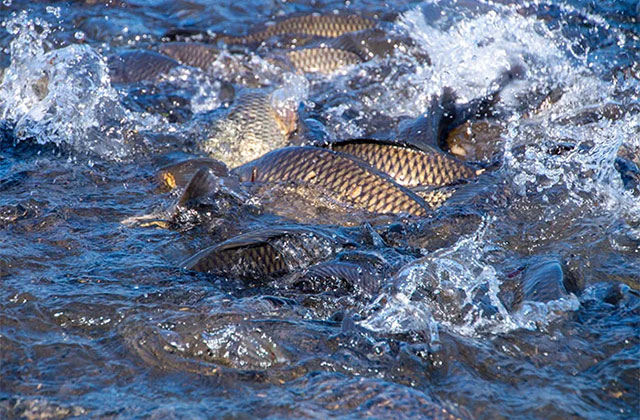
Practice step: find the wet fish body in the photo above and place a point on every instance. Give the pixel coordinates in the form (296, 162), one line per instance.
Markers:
(266, 253)
(408, 166)
(256, 114)
(136, 66)
(243, 261)
(342, 177)
(179, 174)
(190, 53)
(252, 128)
(327, 56)
(326, 26)
(436, 197)
(338, 276)
(324, 60)
(374, 42)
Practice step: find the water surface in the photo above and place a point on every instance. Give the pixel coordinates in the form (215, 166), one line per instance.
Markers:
(98, 320)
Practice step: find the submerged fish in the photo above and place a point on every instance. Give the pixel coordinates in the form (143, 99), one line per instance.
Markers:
(345, 179)
(190, 53)
(209, 196)
(266, 253)
(476, 140)
(251, 128)
(136, 66)
(374, 42)
(543, 281)
(326, 26)
(436, 197)
(338, 276)
(430, 130)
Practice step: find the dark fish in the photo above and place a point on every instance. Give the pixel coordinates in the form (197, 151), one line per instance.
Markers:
(251, 128)
(266, 253)
(192, 206)
(338, 276)
(179, 174)
(431, 234)
(345, 179)
(542, 282)
(202, 184)
(323, 60)
(240, 259)
(136, 66)
(629, 173)
(326, 26)
(190, 53)
(430, 130)
(476, 140)
(407, 165)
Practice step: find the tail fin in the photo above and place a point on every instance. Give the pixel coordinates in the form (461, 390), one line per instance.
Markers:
(428, 130)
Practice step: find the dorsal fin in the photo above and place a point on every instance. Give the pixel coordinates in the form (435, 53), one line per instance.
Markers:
(428, 130)
(202, 184)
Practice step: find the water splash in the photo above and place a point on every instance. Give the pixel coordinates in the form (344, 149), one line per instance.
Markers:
(62, 96)
(584, 166)
(468, 55)
(456, 288)
(204, 91)
(395, 313)
(287, 98)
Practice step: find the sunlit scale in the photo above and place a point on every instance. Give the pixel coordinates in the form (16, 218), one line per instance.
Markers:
(338, 175)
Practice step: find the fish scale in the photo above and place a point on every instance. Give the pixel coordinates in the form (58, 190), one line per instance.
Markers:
(437, 197)
(267, 252)
(343, 178)
(190, 53)
(407, 166)
(327, 26)
(256, 128)
(323, 60)
(338, 276)
(261, 259)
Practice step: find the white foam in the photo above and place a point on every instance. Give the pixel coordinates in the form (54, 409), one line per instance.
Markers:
(457, 273)
(62, 96)
(472, 53)
(287, 98)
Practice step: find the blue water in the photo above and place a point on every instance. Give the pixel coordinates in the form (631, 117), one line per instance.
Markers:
(98, 320)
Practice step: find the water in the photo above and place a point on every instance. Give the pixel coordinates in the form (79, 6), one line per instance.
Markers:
(97, 320)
